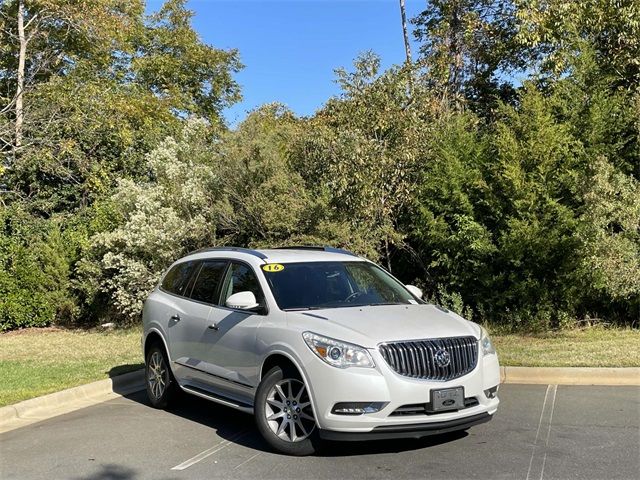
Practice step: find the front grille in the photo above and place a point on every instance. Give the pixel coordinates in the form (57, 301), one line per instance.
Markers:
(417, 358)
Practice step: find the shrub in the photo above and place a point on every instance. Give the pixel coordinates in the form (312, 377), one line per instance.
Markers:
(34, 272)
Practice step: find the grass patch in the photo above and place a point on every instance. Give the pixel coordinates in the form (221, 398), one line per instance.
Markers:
(35, 362)
(590, 347)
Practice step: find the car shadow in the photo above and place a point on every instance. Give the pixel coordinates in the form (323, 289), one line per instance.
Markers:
(239, 428)
(110, 472)
(127, 368)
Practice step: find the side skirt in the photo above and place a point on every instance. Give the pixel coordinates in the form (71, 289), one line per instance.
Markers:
(200, 392)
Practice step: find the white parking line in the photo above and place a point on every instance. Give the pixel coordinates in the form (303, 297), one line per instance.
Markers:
(546, 443)
(551, 389)
(247, 461)
(207, 453)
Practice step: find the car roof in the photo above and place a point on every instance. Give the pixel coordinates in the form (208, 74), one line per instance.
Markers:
(277, 255)
(286, 255)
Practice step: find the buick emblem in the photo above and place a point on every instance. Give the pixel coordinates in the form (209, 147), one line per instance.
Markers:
(442, 358)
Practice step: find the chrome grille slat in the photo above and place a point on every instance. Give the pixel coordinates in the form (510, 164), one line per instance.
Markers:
(465, 352)
(459, 365)
(395, 356)
(432, 363)
(416, 358)
(403, 358)
(412, 359)
(423, 359)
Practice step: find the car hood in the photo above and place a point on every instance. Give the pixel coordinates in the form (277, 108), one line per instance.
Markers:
(370, 325)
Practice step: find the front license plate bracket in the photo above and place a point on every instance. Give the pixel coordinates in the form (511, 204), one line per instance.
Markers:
(447, 399)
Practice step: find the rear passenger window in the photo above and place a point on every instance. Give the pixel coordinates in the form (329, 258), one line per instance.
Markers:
(208, 281)
(175, 281)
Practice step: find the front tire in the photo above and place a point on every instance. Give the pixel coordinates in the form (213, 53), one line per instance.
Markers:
(283, 413)
(162, 388)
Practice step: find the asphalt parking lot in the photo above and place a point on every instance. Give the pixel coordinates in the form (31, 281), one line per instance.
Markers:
(540, 431)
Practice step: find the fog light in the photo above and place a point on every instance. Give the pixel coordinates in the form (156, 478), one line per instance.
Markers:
(357, 408)
(491, 392)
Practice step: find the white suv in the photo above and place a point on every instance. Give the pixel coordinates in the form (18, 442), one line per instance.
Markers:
(317, 343)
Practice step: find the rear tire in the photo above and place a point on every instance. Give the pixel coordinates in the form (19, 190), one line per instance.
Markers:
(162, 388)
(283, 413)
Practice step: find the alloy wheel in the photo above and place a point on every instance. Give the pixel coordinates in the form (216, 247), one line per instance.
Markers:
(157, 375)
(288, 410)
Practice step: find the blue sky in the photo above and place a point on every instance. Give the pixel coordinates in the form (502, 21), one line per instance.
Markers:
(291, 47)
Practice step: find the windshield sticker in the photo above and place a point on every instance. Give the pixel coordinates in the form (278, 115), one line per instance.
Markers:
(273, 267)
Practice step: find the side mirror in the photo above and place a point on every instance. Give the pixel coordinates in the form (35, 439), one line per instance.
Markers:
(242, 301)
(414, 290)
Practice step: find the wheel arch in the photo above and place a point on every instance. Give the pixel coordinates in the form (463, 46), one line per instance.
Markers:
(155, 336)
(279, 359)
(279, 355)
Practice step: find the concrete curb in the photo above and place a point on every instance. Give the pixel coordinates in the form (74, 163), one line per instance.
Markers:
(571, 375)
(65, 401)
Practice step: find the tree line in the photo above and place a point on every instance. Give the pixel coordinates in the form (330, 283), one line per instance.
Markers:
(499, 169)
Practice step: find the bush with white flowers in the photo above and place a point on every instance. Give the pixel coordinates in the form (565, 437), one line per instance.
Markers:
(172, 211)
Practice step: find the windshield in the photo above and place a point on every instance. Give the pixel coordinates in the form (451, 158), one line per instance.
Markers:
(315, 285)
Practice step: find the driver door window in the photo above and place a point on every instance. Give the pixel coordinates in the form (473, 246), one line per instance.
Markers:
(241, 278)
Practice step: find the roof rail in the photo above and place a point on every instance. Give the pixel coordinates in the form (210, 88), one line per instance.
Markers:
(249, 251)
(318, 248)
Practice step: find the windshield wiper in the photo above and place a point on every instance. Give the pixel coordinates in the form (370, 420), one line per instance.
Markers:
(299, 309)
(382, 303)
(347, 305)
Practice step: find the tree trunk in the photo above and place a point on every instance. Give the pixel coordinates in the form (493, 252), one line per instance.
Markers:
(455, 50)
(407, 45)
(20, 77)
(387, 254)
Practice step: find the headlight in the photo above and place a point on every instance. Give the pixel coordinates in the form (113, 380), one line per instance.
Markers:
(485, 342)
(337, 353)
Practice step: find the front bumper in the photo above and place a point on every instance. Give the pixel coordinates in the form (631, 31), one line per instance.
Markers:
(419, 430)
(329, 385)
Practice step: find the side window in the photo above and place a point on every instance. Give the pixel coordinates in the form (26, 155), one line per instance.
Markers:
(240, 278)
(206, 285)
(175, 281)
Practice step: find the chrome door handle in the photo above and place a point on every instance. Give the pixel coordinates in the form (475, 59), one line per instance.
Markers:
(213, 326)
(175, 317)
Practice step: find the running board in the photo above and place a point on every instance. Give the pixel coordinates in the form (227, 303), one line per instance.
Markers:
(244, 407)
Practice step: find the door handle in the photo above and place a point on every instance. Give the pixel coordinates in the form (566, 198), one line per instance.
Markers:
(213, 326)
(175, 317)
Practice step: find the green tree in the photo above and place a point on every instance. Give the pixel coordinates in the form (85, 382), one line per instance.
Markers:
(233, 188)
(44, 38)
(610, 229)
(468, 48)
(92, 114)
(35, 288)
(268, 201)
(560, 31)
(451, 225)
(184, 73)
(363, 148)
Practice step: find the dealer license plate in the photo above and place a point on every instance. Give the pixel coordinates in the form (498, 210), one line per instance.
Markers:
(447, 399)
